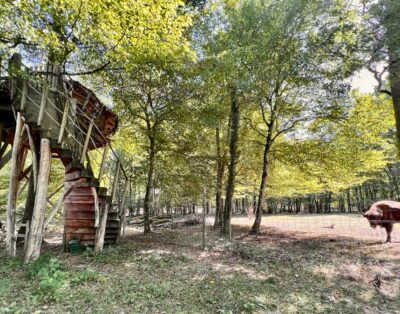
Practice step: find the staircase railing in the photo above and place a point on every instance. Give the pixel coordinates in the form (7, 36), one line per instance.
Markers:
(56, 112)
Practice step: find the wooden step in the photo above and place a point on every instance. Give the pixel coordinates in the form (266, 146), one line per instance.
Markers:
(87, 223)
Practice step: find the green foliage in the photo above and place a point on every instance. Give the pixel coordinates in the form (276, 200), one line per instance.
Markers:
(49, 276)
(87, 276)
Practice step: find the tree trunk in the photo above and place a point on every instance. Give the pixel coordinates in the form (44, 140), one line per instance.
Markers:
(219, 184)
(257, 222)
(233, 143)
(394, 77)
(36, 230)
(11, 239)
(149, 186)
(101, 230)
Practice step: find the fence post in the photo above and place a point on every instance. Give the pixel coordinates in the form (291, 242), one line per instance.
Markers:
(11, 239)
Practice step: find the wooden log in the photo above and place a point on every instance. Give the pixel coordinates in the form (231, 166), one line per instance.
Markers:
(96, 206)
(34, 158)
(11, 239)
(39, 210)
(87, 139)
(25, 172)
(100, 232)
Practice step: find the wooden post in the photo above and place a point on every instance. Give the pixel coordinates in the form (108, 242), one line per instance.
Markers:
(122, 209)
(11, 237)
(42, 104)
(39, 210)
(87, 139)
(101, 231)
(64, 121)
(34, 159)
(96, 207)
(103, 162)
(115, 183)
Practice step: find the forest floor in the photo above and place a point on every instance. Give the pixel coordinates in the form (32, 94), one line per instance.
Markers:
(279, 271)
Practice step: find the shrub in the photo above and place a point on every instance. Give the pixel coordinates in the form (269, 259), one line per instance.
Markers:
(50, 277)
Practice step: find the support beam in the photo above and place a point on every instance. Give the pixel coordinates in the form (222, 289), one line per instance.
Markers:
(11, 237)
(25, 172)
(39, 210)
(34, 155)
(96, 207)
(100, 232)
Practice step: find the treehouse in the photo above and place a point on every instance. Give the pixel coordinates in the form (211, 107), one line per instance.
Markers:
(55, 117)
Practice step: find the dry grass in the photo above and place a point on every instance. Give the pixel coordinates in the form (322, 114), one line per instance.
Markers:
(288, 268)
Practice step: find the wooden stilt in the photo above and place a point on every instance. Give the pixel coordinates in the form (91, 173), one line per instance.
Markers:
(96, 207)
(35, 236)
(34, 159)
(101, 231)
(11, 237)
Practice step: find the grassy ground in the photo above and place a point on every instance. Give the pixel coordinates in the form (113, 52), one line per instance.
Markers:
(167, 272)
